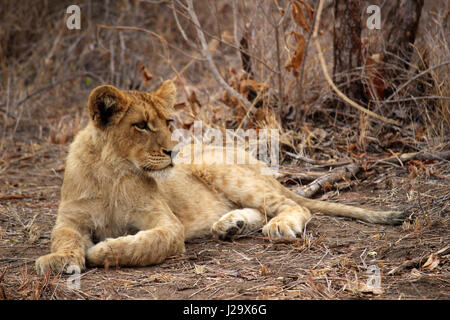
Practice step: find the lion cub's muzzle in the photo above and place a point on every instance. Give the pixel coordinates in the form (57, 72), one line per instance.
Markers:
(160, 161)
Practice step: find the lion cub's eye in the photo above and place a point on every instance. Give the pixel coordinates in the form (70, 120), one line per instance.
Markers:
(142, 125)
(168, 122)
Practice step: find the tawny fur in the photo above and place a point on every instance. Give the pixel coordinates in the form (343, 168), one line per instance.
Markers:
(111, 191)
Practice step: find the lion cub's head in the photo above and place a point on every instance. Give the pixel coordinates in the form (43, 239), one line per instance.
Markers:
(136, 125)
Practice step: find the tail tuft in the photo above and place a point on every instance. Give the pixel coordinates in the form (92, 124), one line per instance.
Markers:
(398, 217)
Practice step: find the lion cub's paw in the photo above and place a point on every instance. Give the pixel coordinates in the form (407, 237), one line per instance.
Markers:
(283, 227)
(59, 262)
(100, 254)
(237, 222)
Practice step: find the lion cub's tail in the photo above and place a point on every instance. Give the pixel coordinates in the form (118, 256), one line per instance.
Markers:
(341, 210)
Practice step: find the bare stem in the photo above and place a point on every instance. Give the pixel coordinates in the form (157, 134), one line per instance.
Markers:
(207, 55)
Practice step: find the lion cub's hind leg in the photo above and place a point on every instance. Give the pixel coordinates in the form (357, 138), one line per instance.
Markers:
(240, 221)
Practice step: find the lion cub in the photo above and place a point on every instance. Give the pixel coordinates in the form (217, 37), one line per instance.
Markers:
(122, 188)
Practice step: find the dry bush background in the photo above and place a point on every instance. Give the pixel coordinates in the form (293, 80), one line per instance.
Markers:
(47, 72)
(39, 53)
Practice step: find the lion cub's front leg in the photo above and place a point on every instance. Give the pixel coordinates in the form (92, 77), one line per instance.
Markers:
(161, 235)
(68, 249)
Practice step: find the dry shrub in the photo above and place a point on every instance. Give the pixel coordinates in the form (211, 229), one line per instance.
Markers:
(48, 70)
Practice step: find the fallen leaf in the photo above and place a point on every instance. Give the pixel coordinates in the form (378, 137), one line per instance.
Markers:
(145, 74)
(432, 262)
(199, 269)
(361, 287)
(264, 270)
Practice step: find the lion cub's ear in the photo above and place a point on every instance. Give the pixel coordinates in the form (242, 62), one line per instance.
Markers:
(106, 105)
(166, 93)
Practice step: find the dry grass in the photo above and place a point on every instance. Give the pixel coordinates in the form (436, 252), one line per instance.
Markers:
(48, 71)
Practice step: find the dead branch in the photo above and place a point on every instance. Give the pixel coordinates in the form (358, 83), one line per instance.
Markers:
(12, 196)
(334, 175)
(421, 155)
(207, 55)
(305, 176)
(418, 262)
(318, 163)
(330, 81)
(349, 170)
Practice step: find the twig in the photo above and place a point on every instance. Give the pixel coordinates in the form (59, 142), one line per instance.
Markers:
(180, 28)
(208, 57)
(417, 76)
(160, 38)
(335, 175)
(276, 26)
(3, 273)
(302, 158)
(417, 98)
(235, 27)
(330, 81)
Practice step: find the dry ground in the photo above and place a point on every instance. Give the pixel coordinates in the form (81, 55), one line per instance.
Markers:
(329, 262)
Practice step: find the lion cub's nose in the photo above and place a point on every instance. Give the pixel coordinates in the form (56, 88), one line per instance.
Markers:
(171, 153)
